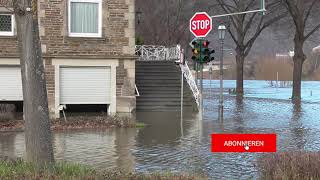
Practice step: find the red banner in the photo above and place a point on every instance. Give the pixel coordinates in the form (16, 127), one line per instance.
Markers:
(243, 142)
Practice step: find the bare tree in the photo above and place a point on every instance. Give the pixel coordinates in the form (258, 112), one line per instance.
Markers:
(164, 22)
(36, 114)
(301, 11)
(246, 28)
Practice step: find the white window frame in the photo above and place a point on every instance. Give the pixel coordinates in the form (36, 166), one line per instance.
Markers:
(9, 33)
(99, 34)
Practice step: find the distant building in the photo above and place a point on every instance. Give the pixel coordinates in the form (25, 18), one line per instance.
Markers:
(316, 49)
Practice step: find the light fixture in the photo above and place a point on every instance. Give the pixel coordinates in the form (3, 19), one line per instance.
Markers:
(222, 31)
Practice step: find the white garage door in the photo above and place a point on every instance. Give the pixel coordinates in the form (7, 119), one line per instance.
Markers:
(10, 84)
(85, 85)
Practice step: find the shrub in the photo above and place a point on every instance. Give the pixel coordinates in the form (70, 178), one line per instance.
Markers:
(290, 165)
(267, 69)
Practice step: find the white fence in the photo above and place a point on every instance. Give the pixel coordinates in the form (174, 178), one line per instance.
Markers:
(157, 53)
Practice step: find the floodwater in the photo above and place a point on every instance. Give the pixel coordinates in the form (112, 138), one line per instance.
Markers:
(171, 144)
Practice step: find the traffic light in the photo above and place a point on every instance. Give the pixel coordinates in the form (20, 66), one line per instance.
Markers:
(206, 52)
(196, 51)
(201, 51)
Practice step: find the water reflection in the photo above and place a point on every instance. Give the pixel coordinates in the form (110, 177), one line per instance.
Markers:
(297, 129)
(238, 115)
(8, 144)
(163, 128)
(124, 145)
(170, 143)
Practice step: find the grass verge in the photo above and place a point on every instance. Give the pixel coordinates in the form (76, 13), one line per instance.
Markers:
(18, 169)
(290, 165)
(79, 122)
(140, 125)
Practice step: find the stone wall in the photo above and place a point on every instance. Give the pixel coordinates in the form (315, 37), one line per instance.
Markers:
(117, 42)
(117, 39)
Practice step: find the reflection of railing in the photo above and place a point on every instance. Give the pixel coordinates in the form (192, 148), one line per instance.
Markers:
(157, 53)
(137, 91)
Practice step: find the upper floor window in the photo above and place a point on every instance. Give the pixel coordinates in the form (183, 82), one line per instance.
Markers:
(85, 18)
(6, 25)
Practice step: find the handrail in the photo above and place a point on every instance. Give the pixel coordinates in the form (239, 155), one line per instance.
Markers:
(192, 83)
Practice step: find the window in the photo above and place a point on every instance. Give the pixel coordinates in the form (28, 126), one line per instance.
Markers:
(6, 25)
(85, 18)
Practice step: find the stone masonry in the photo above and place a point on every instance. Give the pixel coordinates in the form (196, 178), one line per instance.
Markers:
(117, 42)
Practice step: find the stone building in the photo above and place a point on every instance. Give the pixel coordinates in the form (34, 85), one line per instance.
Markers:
(88, 53)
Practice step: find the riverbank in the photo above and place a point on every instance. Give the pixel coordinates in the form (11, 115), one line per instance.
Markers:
(18, 169)
(77, 123)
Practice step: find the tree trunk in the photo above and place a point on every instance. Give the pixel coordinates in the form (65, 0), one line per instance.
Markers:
(240, 63)
(298, 59)
(36, 114)
(297, 73)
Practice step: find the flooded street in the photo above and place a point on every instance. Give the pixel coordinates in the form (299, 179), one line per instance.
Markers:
(168, 143)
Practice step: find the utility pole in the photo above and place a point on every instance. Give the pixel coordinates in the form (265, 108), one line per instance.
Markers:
(222, 33)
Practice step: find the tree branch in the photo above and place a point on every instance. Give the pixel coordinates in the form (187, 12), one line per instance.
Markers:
(308, 13)
(311, 32)
(233, 18)
(249, 5)
(249, 23)
(250, 43)
(233, 37)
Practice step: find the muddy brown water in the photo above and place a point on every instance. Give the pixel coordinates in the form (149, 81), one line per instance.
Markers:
(169, 144)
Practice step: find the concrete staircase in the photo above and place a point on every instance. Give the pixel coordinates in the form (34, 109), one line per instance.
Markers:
(159, 86)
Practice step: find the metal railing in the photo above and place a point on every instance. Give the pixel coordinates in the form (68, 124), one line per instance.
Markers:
(192, 83)
(157, 53)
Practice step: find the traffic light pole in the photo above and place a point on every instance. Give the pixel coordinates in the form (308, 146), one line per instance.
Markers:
(197, 74)
(201, 90)
(201, 82)
(262, 9)
(201, 55)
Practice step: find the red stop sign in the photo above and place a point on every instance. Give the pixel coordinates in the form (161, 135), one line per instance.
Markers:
(200, 24)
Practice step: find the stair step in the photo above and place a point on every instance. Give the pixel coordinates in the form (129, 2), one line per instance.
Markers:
(159, 88)
(162, 103)
(157, 99)
(154, 62)
(159, 84)
(155, 69)
(169, 94)
(163, 77)
(161, 108)
(146, 95)
(140, 79)
(160, 74)
(157, 65)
